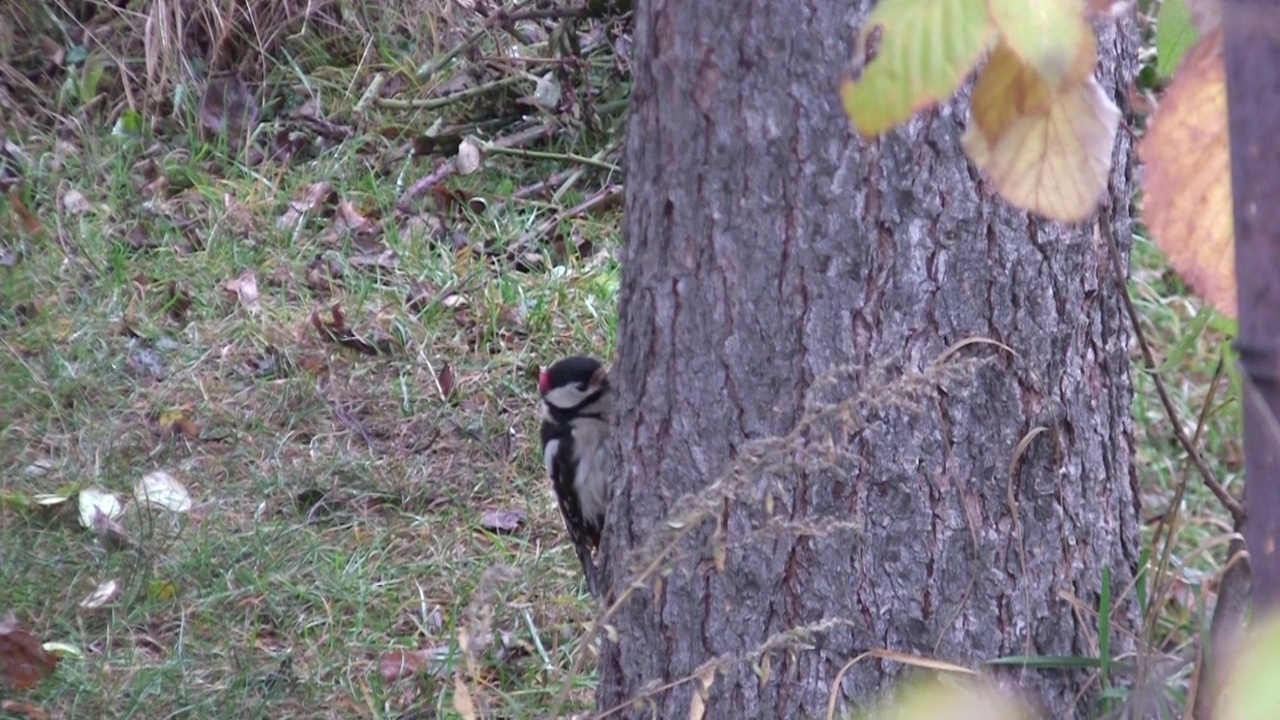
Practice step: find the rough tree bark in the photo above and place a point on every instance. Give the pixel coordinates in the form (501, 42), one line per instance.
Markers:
(766, 247)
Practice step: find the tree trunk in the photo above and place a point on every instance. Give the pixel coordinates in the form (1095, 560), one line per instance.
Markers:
(789, 298)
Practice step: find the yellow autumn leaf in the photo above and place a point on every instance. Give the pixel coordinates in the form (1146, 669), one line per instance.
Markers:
(1048, 35)
(1045, 147)
(918, 52)
(1187, 183)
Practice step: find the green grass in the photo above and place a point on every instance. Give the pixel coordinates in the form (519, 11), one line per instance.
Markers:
(338, 497)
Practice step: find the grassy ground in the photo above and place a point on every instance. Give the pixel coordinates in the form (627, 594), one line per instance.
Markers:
(349, 509)
(340, 498)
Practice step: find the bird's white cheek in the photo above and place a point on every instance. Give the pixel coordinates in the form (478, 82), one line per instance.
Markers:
(565, 397)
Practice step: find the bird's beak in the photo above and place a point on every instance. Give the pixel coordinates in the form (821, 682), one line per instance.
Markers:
(599, 379)
(544, 381)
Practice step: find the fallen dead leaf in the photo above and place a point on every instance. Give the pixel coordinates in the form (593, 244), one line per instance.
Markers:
(462, 702)
(75, 203)
(228, 106)
(445, 379)
(30, 223)
(93, 501)
(336, 330)
(421, 295)
(110, 531)
(163, 490)
(502, 521)
(175, 422)
(324, 273)
(468, 158)
(401, 664)
(106, 593)
(311, 200)
(23, 662)
(384, 261)
(25, 709)
(1187, 182)
(348, 218)
(245, 288)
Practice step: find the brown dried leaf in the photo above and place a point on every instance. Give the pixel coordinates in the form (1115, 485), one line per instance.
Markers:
(26, 709)
(312, 199)
(401, 664)
(336, 330)
(228, 106)
(512, 320)
(75, 203)
(422, 227)
(502, 521)
(347, 217)
(245, 288)
(462, 702)
(175, 422)
(324, 273)
(30, 223)
(1187, 183)
(23, 663)
(421, 294)
(140, 237)
(384, 260)
(446, 380)
(110, 531)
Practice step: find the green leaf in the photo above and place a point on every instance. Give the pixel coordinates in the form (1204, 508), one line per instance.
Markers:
(923, 49)
(1175, 34)
(129, 124)
(1188, 342)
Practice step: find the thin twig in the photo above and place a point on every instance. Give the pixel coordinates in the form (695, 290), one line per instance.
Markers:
(534, 190)
(430, 67)
(574, 178)
(1232, 505)
(448, 167)
(445, 101)
(495, 149)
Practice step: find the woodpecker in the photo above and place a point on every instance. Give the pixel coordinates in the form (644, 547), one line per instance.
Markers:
(577, 412)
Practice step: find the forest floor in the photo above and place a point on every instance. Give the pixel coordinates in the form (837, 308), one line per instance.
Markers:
(338, 367)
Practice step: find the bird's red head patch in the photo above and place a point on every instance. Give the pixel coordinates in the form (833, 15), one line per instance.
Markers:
(544, 381)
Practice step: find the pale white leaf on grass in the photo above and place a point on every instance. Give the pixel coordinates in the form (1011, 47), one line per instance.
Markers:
(105, 593)
(74, 202)
(38, 468)
(96, 500)
(468, 160)
(547, 92)
(162, 489)
(454, 301)
(502, 521)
